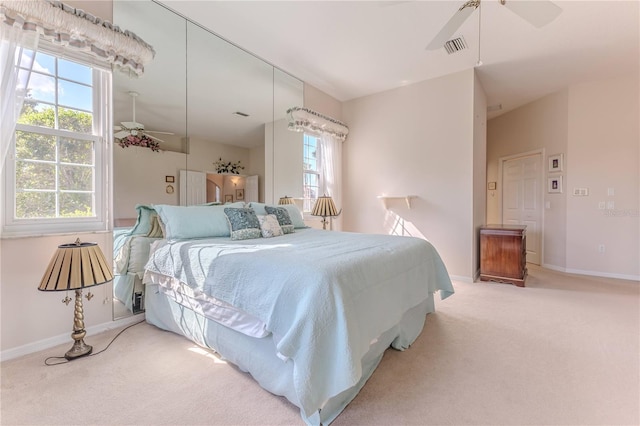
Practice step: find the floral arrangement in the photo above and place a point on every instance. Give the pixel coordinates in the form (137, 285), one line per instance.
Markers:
(142, 141)
(228, 167)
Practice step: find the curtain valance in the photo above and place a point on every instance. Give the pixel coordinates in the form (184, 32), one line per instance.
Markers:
(73, 28)
(301, 119)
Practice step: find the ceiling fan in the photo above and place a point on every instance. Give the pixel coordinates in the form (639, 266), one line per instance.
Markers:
(134, 128)
(537, 12)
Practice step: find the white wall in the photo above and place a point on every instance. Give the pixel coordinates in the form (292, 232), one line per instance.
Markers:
(415, 140)
(595, 126)
(604, 147)
(479, 171)
(540, 125)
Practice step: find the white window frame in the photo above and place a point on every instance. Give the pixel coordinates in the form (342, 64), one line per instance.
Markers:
(317, 172)
(102, 131)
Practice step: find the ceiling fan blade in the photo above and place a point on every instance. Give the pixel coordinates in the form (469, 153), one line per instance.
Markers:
(132, 125)
(153, 137)
(159, 132)
(452, 26)
(538, 13)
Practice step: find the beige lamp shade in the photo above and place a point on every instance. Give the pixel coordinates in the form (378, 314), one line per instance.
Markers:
(285, 200)
(324, 207)
(76, 266)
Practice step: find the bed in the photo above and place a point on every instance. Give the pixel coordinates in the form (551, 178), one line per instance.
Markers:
(308, 314)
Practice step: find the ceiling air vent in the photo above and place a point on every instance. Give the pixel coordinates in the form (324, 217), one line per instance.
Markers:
(455, 45)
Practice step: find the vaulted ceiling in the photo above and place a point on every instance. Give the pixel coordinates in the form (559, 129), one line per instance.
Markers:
(351, 49)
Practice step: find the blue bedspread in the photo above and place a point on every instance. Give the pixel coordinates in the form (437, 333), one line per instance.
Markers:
(325, 296)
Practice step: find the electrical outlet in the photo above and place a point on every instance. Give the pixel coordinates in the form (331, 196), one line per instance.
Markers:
(601, 248)
(611, 205)
(601, 205)
(611, 192)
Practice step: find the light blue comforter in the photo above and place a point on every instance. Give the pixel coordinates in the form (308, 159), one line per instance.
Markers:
(324, 295)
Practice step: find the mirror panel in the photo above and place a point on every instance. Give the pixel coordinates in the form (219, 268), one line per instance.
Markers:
(140, 175)
(229, 100)
(284, 150)
(192, 88)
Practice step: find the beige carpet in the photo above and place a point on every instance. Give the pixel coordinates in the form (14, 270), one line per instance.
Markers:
(562, 351)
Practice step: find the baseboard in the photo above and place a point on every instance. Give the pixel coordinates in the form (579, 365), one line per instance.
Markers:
(461, 278)
(592, 273)
(65, 338)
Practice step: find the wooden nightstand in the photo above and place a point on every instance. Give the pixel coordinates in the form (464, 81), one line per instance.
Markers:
(503, 254)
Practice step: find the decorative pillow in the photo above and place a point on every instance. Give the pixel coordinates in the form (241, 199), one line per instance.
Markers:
(243, 222)
(294, 212)
(194, 221)
(144, 221)
(283, 217)
(269, 226)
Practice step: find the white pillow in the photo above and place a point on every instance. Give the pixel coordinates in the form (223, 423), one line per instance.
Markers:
(269, 226)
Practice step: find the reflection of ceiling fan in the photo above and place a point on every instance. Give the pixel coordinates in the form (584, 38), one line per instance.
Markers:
(134, 128)
(537, 12)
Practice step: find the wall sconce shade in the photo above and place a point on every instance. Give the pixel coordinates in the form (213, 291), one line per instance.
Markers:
(285, 200)
(74, 267)
(325, 207)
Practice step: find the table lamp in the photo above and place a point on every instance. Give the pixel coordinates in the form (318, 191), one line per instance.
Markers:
(74, 267)
(325, 207)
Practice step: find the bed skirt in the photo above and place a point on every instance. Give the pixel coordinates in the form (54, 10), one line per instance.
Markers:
(259, 357)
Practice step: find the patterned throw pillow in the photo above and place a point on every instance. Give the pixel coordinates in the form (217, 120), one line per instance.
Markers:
(243, 223)
(269, 226)
(283, 218)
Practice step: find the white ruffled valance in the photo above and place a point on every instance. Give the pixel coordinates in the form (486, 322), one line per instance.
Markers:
(73, 28)
(301, 119)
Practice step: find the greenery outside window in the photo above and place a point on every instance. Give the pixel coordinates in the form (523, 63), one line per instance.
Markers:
(55, 176)
(311, 171)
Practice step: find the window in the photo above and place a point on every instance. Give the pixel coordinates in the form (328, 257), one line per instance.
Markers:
(311, 173)
(55, 177)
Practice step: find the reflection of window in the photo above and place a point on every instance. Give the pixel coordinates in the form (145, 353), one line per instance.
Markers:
(312, 171)
(56, 176)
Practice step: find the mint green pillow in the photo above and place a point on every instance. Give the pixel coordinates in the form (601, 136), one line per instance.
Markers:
(201, 221)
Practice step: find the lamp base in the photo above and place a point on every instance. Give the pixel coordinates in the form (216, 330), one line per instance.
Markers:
(79, 349)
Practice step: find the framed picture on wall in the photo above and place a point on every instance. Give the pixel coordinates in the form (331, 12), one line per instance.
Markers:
(555, 163)
(555, 184)
(228, 198)
(239, 194)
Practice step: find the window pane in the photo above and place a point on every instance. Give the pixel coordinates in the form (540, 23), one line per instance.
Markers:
(76, 205)
(35, 205)
(75, 95)
(37, 114)
(76, 151)
(31, 175)
(32, 146)
(76, 121)
(74, 71)
(45, 63)
(76, 178)
(42, 88)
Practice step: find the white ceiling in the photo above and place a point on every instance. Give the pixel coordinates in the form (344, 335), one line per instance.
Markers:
(351, 49)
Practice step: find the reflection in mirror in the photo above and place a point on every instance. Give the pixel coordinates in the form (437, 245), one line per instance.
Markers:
(229, 100)
(230, 109)
(140, 174)
(284, 149)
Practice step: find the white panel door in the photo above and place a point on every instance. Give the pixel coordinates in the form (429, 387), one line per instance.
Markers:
(193, 187)
(521, 204)
(251, 189)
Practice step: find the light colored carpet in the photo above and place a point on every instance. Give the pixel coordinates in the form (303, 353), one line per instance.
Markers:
(562, 351)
